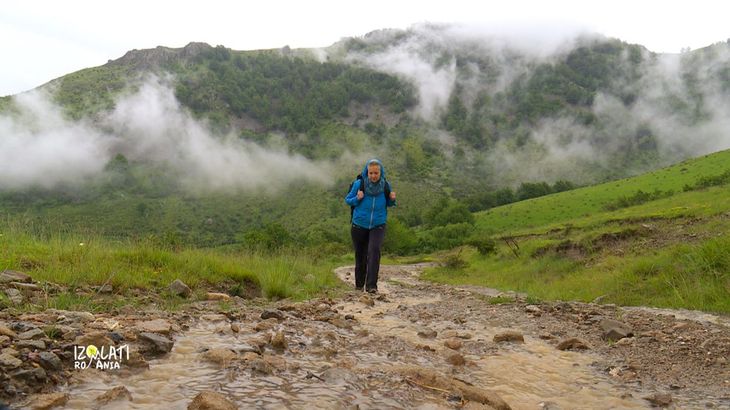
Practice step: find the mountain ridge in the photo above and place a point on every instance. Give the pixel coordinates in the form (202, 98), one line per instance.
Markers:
(453, 117)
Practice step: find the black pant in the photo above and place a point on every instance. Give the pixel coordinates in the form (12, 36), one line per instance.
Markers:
(367, 243)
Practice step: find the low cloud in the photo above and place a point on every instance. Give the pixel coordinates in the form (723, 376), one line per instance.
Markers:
(679, 109)
(425, 56)
(556, 149)
(434, 85)
(39, 148)
(690, 118)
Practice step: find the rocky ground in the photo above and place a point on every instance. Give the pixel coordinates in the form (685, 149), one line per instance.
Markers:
(413, 345)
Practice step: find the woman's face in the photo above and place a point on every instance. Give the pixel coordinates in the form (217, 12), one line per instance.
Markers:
(374, 172)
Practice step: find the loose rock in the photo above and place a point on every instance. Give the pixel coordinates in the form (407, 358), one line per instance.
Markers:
(265, 325)
(532, 309)
(115, 394)
(8, 276)
(261, 366)
(660, 399)
(179, 288)
(456, 359)
(32, 344)
(572, 344)
(50, 361)
(216, 296)
(367, 300)
(155, 326)
(4, 330)
(161, 344)
(34, 375)
(48, 401)
(209, 400)
(278, 341)
(97, 339)
(72, 316)
(32, 334)
(28, 288)
(509, 336)
(453, 343)
(9, 362)
(220, 356)
(272, 314)
(427, 333)
(15, 296)
(615, 330)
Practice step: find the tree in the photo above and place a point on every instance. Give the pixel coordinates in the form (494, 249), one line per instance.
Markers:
(270, 237)
(529, 190)
(447, 211)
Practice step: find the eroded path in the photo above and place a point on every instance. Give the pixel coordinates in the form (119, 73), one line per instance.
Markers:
(418, 345)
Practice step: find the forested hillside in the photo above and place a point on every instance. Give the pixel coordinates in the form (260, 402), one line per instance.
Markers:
(211, 146)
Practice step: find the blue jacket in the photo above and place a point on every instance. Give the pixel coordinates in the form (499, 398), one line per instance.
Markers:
(371, 211)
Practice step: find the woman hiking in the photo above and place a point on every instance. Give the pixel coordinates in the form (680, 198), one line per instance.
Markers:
(370, 196)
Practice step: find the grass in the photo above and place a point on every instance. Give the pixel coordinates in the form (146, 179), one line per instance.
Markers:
(588, 205)
(83, 262)
(4, 301)
(670, 250)
(682, 276)
(665, 266)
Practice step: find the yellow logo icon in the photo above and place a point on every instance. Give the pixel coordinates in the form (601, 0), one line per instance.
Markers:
(91, 351)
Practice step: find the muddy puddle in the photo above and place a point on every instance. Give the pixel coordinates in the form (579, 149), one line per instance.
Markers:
(355, 364)
(171, 382)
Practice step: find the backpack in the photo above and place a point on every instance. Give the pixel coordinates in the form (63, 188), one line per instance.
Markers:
(386, 191)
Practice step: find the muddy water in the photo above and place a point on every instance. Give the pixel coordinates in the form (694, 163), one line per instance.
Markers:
(174, 380)
(529, 375)
(684, 314)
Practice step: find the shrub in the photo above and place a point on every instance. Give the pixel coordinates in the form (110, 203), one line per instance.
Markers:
(399, 239)
(638, 198)
(454, 261)
(271, 237)
(484, 245)
(445, 237)
(447, 212)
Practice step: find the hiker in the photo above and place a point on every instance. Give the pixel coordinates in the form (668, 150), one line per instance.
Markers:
(370, 196)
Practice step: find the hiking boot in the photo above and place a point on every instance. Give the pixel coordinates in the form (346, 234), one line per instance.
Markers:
(372, 290)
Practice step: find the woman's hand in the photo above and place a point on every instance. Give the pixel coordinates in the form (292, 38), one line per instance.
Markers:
(392, 196)
(360, 195)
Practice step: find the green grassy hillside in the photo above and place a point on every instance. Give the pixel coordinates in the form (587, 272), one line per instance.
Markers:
(590, 204)
(667, 250)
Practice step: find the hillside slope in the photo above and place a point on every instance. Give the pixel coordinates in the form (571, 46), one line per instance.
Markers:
(203, 145)
(659, 239)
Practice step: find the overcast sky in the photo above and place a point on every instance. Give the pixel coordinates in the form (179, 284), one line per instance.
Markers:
(43, 40)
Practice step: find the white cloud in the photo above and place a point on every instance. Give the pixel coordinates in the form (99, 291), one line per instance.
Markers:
(40, 148)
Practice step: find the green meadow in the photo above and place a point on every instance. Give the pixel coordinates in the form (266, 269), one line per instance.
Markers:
(605, 242)
(82, 263)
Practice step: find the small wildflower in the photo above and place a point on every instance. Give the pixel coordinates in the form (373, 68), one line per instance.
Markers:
(81, 244)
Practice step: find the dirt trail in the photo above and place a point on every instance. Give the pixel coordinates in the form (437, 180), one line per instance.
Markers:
(413, 345)
(671, 359)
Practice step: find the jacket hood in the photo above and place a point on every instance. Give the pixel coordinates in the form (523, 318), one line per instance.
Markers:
(373, 161)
